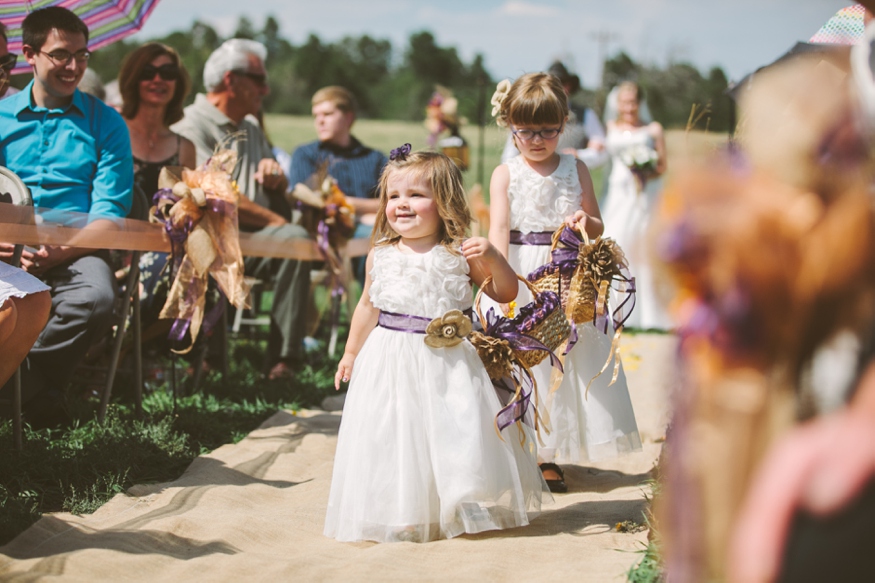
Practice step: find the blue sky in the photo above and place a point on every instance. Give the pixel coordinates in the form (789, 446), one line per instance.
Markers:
(517, 36)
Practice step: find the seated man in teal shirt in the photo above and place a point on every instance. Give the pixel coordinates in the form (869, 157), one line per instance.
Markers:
(74, 154)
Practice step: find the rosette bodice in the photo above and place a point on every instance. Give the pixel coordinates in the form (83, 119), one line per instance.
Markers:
(420, 284)
(541, 203)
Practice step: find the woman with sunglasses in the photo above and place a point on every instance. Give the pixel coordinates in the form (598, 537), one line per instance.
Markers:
(153, 85)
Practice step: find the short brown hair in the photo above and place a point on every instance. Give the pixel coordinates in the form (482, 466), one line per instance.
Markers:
(445, 180)
(37, 25)
(341, 97)
(535, 99)
(129, 81)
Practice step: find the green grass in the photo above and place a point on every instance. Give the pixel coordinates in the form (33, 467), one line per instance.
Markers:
(79, 469)
(649, 569)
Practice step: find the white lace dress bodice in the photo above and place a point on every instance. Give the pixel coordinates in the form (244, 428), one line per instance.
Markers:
(420, 284)
(541, 203)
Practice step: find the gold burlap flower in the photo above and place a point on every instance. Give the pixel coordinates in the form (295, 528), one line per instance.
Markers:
(501, 91)
(448, 330)
(496, 354)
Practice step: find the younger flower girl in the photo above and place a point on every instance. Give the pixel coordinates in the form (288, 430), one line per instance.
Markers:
(418, 456)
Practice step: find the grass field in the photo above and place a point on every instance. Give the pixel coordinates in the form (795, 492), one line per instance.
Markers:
(288, 132)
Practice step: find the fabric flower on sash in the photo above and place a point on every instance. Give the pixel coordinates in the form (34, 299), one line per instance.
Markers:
(448, 330)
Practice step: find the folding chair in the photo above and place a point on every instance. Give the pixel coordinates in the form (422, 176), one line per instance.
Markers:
(14, 191)
(130, 302)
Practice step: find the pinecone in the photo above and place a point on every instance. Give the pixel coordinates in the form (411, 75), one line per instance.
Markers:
(496, 354)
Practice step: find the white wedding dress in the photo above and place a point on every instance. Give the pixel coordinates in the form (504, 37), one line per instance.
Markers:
(584, 427)
(418, 457)
(626, 213)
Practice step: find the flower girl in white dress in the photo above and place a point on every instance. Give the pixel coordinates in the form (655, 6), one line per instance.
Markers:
(418, 456)
(532, 195)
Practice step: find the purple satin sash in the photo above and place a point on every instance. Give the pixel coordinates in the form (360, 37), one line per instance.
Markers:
(406, 322)
(536, 238)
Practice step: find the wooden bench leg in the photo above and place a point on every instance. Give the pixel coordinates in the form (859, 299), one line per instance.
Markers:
(17, 431)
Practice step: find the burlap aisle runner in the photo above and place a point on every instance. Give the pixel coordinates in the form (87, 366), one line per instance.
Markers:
(254, 511)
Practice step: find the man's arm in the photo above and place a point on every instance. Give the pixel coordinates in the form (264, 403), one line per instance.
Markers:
(112, 188)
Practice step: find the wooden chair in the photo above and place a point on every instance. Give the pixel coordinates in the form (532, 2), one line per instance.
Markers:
(14, 191)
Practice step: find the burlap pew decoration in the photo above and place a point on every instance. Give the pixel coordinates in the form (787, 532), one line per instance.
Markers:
(198, 209)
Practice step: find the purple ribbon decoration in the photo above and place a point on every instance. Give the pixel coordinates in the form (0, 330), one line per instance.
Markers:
(515, 410)
(565, 259)
(505, 329)
(540, 238)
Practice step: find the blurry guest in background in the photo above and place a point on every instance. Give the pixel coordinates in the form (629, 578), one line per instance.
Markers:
(236, 82)
(638, 160)
(153, 84)
(92, 85)
(356, 167)
(7, 63)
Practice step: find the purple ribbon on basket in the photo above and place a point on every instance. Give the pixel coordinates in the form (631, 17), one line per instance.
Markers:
(535, 238)
(515, 410)
(565, 259)
(505, 329)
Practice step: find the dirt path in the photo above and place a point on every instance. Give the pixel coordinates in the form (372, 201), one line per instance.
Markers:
(254, 512)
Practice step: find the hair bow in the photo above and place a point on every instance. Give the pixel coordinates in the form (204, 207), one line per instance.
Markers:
(400, 153)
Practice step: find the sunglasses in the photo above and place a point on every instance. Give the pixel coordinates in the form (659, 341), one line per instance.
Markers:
(168, 72)
(7, 62)
(258, 79)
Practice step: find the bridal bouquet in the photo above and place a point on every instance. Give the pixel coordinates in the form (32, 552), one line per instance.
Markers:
(642, 161)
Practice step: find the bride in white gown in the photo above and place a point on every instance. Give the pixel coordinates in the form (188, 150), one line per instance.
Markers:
(631, 199)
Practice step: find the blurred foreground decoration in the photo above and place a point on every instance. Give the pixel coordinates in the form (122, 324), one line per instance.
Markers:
(198, 209)
(442, 116)
(770, 249)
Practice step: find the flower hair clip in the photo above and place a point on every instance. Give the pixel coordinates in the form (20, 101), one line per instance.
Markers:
(501, 91)
(400, 153)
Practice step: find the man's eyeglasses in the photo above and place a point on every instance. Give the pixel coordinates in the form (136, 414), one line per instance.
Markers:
(546, 133)
(63, 57)
(168, 72)
(259, 79)
(7, 62)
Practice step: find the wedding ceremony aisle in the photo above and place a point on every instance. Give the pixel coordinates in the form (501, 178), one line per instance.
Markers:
(255, 510)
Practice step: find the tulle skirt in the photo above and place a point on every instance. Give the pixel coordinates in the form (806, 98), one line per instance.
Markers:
(418, 457)
(583, 426)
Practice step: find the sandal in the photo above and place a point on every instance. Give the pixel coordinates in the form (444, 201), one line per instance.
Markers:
(556, 486)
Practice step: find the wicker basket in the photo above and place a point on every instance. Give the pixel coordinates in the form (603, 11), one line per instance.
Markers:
(543, 319)
(578, 289)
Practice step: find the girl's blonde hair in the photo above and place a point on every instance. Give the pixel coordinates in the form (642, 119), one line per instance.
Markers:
(535, 99)
(445, 180)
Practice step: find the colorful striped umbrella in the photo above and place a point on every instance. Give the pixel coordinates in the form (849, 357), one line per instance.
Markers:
(107, 20)
(844, 28)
